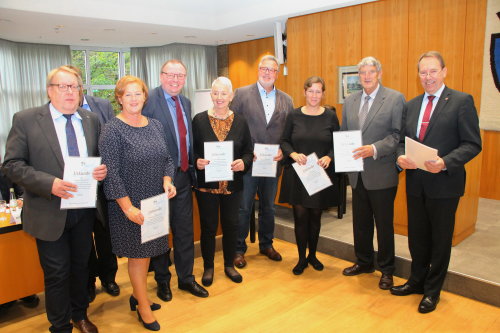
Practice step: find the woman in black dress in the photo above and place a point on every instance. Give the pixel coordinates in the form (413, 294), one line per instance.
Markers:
(139, 166)
(308, 129)
(220, 124)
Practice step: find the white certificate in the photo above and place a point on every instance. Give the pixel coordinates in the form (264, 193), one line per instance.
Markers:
(343, 144)
(78, 170)
(419, 153)
(220, 155)
(156, 217)
(312, 175)
(264, 164)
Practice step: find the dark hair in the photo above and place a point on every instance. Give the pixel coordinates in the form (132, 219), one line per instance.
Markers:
(312, 80)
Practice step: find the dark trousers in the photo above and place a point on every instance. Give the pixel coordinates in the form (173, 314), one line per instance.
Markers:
(210, 205)
(307, 225)
(102, 263)
(65, 269)
(373, 208)
(430, 232)
(181, 225)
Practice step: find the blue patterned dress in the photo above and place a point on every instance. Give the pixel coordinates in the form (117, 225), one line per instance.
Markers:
(137, 159)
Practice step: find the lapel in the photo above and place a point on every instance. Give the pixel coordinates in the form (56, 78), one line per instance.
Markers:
(438, 110)
(412, 117)
(356, 104)
(49, 131)
(93, 106)
(88, 131)
(261, 114)
(163, 112)
(375, 108)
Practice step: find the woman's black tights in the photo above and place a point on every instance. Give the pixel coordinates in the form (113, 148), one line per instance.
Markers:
(307, 227)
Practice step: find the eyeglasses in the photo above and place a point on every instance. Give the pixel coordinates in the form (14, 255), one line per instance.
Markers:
(172, 75)
(431, 73)
(267, 70)
(66, 87)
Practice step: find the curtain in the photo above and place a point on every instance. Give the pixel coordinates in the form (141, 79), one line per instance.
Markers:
(23, 70)
(200, 60)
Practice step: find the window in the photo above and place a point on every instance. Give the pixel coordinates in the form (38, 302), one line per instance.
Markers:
(101, 68)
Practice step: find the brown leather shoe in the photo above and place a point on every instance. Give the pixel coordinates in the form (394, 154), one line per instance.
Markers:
(239, 260)
(272, 254)
(357, 269)
(386, 281)
(85, 326)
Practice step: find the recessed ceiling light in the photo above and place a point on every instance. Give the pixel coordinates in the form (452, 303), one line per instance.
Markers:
(5, 20)
(59, 26)
(84, 39)
(109, 29)
(250, 35)
(154, 33)
(190, 36)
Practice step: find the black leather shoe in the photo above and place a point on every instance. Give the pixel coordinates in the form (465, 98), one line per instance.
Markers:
(111, 288)
(405, 290)
(232, 274)
(164, 293)
(91, 292)
(31, 301)
(315, 263)
(357, 269)
(85, 326)
(239, 260)
(272, 254)
(208, 277)
(386, 281)
(428, 304)
(299, 268)
(194, 288)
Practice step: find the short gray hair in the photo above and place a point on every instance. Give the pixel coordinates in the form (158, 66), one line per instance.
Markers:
(269, 57)
(370, 61)
(223, 81)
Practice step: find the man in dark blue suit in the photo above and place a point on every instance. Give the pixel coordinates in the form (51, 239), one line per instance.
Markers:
(173, 110)
(102, 263)
(444, 119)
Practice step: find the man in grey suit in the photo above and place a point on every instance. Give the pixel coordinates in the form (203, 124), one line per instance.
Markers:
(265, 109)
(376, 111)
(102, 263)
(39, 142)
(173, 110)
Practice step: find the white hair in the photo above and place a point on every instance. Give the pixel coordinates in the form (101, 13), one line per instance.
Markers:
(370, 61)
(223, 81)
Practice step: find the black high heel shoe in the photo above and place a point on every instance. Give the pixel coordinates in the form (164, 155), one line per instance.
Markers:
(154, 326)
(315, 263)
(208, 277)
(299, 268)
(133, 304)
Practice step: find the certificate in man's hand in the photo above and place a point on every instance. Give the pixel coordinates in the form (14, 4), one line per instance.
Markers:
(78, 170)
(312, 175)
(265, 165)
(419, 153)
(220, 155)
(156, 217)
(343, 144)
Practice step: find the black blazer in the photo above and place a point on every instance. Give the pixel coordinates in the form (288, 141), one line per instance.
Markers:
(454, 131)
(242, 147)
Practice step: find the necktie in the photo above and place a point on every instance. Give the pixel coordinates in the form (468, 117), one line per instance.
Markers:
(426, 118)
(364, 112)
(182, 134)
(71, 137)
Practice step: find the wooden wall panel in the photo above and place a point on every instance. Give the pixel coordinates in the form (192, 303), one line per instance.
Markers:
(304, 53)
(384, 26)
(490, 176)
(436, 25)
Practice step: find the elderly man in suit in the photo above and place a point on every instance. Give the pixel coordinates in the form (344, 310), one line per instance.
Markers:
(265, 109)
(40, 141)
(103, 263)
(376, 111)
(444, 119)
(173, 110)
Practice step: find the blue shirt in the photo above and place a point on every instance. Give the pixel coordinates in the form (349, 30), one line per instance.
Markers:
(173, 114)
(437, 95)
(60, 125)
(268, 101)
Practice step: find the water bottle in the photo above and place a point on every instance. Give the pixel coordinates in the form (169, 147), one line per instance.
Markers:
(13, 200)
(14, 210)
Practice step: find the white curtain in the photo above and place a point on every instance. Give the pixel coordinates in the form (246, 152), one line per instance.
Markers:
(23, 70)
(200, 60)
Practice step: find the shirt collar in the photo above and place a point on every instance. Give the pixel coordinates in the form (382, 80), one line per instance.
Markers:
(84, 101)
(263, 91)
(373, 94)
(57, 114)
(437, 93)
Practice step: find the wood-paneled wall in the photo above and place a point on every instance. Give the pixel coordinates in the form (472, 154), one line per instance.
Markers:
(396, 32)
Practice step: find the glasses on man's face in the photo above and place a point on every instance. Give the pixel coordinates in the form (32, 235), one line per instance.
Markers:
(66, 87)
(173, 75)
(267, 70)
(431, 73)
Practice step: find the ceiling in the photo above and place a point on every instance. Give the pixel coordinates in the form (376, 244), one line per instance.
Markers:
(138, 23)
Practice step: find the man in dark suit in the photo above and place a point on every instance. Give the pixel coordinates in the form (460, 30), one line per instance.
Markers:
(103, 263)
(173, 110)
(39, 142)
(376, 111)
(265, 109)
(444, 119)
